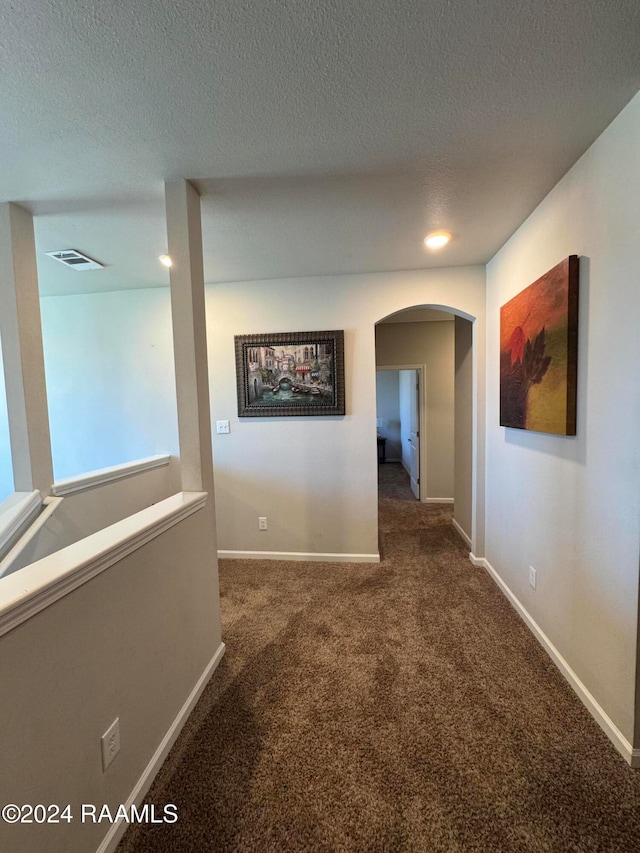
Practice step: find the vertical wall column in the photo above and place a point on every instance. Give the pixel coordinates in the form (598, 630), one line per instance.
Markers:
(21, 332)
(184, 232)
(463, 426)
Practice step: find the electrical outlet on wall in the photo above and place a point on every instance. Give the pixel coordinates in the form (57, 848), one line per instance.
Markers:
(110, 743)
(532, 576)
(262, 522)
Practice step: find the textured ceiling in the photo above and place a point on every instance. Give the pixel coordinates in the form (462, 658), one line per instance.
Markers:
(325, 137)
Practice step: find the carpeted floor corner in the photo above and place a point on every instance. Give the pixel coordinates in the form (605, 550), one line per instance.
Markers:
(394, 707)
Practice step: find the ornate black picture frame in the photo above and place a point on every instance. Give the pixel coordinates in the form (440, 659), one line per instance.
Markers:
(290, 373)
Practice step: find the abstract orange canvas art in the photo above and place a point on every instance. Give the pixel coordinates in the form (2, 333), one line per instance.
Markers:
(539, 353)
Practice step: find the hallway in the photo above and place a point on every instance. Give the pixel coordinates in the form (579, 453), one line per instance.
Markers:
(394, 482)
(392, 707)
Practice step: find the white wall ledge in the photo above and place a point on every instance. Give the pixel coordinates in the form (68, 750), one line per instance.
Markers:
(25, 593)
(49, 506)
(16, 512)
(107, 475)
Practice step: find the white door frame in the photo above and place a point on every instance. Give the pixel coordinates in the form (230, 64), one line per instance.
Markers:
(422, 413)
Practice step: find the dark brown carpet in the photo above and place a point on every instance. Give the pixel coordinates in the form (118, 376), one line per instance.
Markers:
(393, 482)
(394, 707)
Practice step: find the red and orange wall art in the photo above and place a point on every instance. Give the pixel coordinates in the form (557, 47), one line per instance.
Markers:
(539, 353)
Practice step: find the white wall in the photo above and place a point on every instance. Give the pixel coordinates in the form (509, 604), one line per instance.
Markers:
(110, 378)
(130, 643)
(315, 478)
(431, 344)
(571, 506)
(82, 513)
(6, 471)
(388, 411)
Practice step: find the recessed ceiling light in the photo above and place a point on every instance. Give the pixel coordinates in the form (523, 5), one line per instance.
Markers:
(166, 260)
(437, 239)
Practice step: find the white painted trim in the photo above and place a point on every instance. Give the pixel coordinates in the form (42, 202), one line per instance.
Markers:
(300, 556)
(438, 500)
(117, 830)
(27, 592)
(632, 756)
(50, 505)
(461, 532)
(106, 475)
(16, 512)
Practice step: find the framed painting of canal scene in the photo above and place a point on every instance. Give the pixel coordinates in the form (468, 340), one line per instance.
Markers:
(539, 353)
(290, 373)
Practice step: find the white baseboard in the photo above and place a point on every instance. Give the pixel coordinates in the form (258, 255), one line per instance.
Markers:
(299, 556)
(117, 830)
(631, 755)
(461, 532)
(438, 500)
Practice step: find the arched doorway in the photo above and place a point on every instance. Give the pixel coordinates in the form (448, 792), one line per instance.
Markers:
(434, 344)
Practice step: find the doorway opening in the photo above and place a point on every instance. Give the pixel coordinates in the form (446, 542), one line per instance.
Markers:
(399, 396)
(424, 409)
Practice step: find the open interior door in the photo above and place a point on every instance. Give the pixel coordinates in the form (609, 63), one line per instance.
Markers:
(409, 383)
(414, 433)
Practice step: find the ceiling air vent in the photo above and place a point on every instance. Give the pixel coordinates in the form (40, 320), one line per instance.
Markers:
(72, 258)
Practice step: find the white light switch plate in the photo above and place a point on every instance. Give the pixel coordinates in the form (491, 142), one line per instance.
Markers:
(222, 427)
(110, 743)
